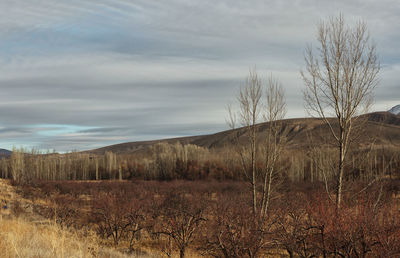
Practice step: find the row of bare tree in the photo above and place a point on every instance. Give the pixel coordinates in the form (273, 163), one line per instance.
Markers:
(168, 161)
(24, 166)
(315, 165)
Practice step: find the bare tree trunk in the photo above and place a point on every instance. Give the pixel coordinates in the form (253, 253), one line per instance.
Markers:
(268, 192)
(340, 177)
(253, 165)
(97, 169)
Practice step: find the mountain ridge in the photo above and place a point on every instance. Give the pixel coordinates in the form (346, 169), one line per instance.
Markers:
(395, 110)
(383, 126)
(5, 153)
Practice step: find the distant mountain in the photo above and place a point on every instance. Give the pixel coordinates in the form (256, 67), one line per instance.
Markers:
(384, 127)
(5, 153)
(395, 110)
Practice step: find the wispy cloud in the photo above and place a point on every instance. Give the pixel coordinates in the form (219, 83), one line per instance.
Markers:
(119, 70)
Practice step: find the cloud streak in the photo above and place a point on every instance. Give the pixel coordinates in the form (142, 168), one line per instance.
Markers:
(139, 70)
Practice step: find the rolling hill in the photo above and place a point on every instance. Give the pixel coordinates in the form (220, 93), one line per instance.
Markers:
(382, 127)
(395, 110)
(5, 153)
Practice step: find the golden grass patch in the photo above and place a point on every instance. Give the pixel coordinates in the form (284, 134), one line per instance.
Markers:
(20, 238)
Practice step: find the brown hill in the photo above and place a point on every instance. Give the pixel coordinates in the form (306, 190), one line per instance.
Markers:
(381, 127)
(5, 153)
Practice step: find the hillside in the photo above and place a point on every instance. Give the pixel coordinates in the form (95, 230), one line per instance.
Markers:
(5, 153)
(383, 127)
(395, 110)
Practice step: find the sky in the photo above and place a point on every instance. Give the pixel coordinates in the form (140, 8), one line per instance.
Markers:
(82, 74)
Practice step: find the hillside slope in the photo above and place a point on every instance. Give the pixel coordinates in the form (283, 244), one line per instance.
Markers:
(395, 110)
(5, 153)
(382, 127)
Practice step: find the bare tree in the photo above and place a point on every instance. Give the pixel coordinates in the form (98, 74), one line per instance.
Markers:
(252, 110)
(275, 139)
(340, 78)
(17, 165)
(179, 217)
(111, 162)
(249, 99)
(232, 232)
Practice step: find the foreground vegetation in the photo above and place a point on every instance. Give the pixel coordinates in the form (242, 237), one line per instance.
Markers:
(20, 238)
(24, 233)
(213, 219)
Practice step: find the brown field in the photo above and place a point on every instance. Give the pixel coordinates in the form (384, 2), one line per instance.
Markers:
(147, 218)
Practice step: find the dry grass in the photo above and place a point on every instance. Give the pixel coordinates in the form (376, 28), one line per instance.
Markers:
(30, 235)
(20, 238)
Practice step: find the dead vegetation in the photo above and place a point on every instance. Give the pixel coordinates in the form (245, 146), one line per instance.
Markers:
(213, 219)
(26, 233)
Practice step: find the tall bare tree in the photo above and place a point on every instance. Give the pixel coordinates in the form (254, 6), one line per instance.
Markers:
(17, 165)
(249, 99)
(275, 140)
(340, 78)
(253, 108)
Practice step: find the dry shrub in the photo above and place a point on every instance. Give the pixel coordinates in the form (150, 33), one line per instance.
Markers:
(232, 231)
(217, 217)
(20, 238)
(179, 217)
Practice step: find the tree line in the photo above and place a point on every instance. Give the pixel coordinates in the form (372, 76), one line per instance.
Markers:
(191, 162)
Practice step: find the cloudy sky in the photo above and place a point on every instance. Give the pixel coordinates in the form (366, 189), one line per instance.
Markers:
(81, 74)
